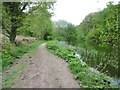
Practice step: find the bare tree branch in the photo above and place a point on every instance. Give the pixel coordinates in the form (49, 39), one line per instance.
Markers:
(24, 6)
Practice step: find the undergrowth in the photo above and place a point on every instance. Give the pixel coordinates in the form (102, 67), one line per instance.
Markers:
(10, 52)
(82, 72)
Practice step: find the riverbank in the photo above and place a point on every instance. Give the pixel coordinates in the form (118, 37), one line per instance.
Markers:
(80, 69)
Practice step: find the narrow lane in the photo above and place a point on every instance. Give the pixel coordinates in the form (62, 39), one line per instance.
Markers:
(46, 71)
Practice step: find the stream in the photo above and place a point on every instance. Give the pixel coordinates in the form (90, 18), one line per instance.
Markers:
(116, 80)
(110, 71)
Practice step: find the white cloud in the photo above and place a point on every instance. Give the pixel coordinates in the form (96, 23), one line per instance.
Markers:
(74, 11)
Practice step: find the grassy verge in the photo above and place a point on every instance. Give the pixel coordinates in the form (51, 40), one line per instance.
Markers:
(81, 71)
(9, 79)
(11, 52)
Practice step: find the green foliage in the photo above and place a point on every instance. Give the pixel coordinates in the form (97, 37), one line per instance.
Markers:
(59, 38)
(84, 28)
(12, 14)
(66, 31)
(104, 37)
(11, 52)
(38, 24)
(28, 18)
(71, 34)
(9, 80)
(59, 33)
(98, 37)
(6, 23)
(98, 60)
(82, 72)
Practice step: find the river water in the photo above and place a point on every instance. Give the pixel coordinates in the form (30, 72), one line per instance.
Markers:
(112, 72)
(106, 69)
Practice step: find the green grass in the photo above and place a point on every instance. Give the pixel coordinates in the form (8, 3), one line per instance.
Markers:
(11, 52)
(10, 79)
(81, 71)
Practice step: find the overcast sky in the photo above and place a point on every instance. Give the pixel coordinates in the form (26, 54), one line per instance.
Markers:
(74, 11)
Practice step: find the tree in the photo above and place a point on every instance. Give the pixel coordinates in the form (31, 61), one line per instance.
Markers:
(38, 23)
(104, 37)
(86, 26)
(15, 13)
(101, 41)
(71, 34)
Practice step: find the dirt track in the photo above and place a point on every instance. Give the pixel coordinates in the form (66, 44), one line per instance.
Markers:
(46, 71)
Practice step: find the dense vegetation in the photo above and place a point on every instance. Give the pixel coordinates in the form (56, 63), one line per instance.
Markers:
(95, 39)
(12, 52)
(29, 22)
(87, 77)
(38, 24)
(31, 19)
(17, 20)
(99, 38)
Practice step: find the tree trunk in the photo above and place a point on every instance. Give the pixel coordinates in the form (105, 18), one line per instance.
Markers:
(13, 34)
(14, 16)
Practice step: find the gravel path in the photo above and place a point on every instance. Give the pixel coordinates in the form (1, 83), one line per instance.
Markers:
(46, 71)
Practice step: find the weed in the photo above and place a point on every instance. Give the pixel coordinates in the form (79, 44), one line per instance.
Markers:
(80, 69)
